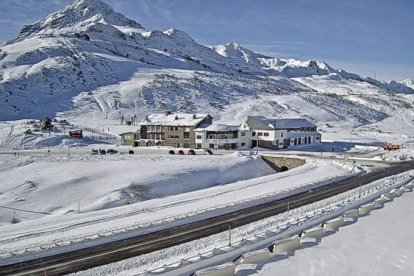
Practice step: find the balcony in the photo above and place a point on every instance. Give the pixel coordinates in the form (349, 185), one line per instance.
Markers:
(223, 141)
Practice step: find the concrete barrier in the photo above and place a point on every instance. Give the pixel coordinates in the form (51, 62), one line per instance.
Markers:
(395, 192)
(285, 245)
(245, 269)
(410, 185)
(354, 213)
(390, 195)
(220, 270)
(407, 188)
(333, 224)
(367, 208)
(380, 201)
(254, 257)
(400, 191)
(312, 233)
(386, 198)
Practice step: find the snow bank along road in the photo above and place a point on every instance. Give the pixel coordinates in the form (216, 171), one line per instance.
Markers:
(114, 251)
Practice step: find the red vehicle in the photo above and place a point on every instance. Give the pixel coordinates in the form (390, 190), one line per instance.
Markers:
(75, 134)
(389, 146)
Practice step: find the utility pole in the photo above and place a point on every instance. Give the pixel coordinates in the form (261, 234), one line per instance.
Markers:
(229, 234)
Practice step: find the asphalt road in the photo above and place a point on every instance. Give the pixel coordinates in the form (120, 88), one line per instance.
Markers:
(115, 251)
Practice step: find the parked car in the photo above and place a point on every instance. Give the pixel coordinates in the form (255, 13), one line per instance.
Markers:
(191, 152)
(102, 152)
(181, 152)
(171, 152)
(209, 151)
(111, 151)
(131, 152)
(95, 152)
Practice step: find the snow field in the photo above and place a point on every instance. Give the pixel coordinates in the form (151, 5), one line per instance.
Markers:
(296, 224)
(77, 230)
(372, 246)
(214, 250)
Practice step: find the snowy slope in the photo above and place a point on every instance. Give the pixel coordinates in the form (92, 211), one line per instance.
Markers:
(372, 246)
(89, 62)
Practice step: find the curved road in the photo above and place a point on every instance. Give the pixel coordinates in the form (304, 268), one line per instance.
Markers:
(123, 249)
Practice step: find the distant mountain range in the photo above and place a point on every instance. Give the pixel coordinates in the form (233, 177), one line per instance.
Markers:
(88, 61)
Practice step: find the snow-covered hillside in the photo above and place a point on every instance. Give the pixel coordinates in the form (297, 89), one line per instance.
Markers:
(88, 63)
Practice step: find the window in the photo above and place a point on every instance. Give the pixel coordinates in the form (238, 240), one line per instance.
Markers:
(260, 134)
(198, 137)
(186, 145)
(176, 128)
(266, 134)
(243, 144)
(198, 146)
(211, 145)
(253, 133)
(243, 133)
(281, 134)
(186, 135)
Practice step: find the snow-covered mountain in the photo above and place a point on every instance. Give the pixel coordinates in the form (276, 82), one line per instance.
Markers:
(89, 62)
(409, 83)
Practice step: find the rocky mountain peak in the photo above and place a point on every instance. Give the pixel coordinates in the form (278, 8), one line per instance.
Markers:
(77, 16)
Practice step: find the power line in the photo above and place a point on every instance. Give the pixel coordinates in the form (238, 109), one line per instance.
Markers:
(28, 211)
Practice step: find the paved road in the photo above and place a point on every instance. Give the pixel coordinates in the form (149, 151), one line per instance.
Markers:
(119, 250)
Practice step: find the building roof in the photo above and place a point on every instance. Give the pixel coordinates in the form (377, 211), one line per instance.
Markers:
(218, 127)
(263, 123)
(174, 119)
(293, 123)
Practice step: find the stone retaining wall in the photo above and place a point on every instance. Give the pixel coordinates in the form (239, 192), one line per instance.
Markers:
(281, 164)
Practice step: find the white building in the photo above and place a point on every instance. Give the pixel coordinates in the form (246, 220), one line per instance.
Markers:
(221, 136)
(281, 133)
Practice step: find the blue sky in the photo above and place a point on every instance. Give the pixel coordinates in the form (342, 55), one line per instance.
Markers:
(368, 37)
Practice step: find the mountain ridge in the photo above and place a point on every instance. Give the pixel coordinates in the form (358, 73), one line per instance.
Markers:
(89, 58)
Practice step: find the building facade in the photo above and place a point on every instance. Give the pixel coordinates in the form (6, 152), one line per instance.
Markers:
(175, 130)
(130, 138)
(281, 133)
(197, 131)
(221, 136)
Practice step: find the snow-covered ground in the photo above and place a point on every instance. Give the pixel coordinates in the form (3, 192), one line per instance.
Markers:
(67, 198)
(212, 251)
(56, 184)
(379, 244)
(52, 189)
